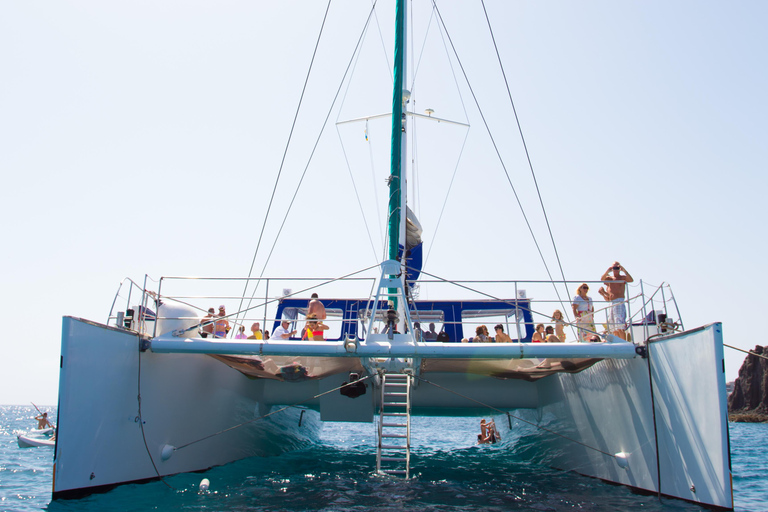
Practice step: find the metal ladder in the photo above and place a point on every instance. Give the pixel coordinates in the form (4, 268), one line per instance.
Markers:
(393, 457)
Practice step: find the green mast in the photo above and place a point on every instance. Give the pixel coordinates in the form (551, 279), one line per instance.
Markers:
(396, 225)
(396, 207)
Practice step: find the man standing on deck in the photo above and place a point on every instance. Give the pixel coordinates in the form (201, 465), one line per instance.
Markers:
(616, 285)
(316, 307)
(207, 323)
(221, 324)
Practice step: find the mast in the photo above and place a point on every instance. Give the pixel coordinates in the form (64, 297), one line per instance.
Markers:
(397, 188)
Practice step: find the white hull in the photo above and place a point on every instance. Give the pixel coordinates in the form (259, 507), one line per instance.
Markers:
(183, 398)
(611, 406)
(31, 441)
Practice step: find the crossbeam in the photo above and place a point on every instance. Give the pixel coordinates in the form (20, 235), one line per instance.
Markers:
(374, 346)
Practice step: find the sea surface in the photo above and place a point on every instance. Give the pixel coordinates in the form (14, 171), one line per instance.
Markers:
(450, 472)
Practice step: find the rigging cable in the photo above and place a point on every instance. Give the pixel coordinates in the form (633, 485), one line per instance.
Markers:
(463, 144)
(750, 352)
(140, 421)
(309, 160)
(511, 302)
(498, 154)
(270, 413)
(525, 146)
(285, 151)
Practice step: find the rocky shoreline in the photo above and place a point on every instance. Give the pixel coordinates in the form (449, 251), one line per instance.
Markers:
(748, 402)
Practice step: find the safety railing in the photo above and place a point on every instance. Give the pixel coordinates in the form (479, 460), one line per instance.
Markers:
(257, 300)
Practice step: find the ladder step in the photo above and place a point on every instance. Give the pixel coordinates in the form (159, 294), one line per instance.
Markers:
(394, 424)
(396, 385)
(396, 403)
(393, 393)
(395, 436)
(393, 471)
(394, 459)
(393, 447)
(394, 414)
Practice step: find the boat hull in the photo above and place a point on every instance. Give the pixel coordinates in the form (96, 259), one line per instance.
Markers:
(27, 441)
(120, 407)
(123, 411)
(667, 413)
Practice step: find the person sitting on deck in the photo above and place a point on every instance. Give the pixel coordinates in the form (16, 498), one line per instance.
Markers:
(282, 332)
(550, 335)
(256, 330)
(501, 336)
(418, 334)
(481, 335)
(431, 335)
(240, 333)
(538, 336)
(314, 329)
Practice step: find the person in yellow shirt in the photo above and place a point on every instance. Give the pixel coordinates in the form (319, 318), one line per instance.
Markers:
(256, 330)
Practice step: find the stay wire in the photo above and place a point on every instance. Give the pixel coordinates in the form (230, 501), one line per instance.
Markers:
(525, 147)
(510, 415)
(511, 302)
(498, 153)
(314, 148)
(750, 352)
(271, 413)
(285, 151)
(463, 144)
(278, 299)
(141, 423)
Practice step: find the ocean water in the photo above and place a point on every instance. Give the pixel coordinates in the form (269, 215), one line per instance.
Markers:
(449, 473)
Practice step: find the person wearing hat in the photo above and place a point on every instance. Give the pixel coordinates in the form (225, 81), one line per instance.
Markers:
(222, 324)
(282, 332)
(207, 324)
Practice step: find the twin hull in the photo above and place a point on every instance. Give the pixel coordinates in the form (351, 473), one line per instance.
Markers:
(126, 415)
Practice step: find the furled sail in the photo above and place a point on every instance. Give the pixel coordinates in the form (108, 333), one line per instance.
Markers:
(413, 245)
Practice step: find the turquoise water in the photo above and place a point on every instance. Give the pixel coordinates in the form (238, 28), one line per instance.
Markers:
(450, 473)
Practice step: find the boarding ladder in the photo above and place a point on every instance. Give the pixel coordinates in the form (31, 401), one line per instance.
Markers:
(393, 454)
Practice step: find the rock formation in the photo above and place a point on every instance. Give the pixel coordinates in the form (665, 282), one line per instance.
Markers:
(749, 400)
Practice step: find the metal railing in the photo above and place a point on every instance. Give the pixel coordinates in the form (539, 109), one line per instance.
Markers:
(643, 309)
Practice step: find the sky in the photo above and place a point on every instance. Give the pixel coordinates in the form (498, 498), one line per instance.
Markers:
(146, 137)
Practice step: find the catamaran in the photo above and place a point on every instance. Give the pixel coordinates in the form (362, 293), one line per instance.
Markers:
(152, 393)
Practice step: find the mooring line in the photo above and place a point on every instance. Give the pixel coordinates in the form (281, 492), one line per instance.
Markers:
(745, 351)
(271, 413)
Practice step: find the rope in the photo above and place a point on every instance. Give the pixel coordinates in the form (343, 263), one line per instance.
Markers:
(285, 151)
(511, 302)
(498, 155)
(745, 351)
(278, 299)
(141, 424)
(311, 155)
(525, 147)
(517, 418)
(270, 414)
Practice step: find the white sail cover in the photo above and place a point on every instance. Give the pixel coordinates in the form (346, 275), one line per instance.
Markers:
(412, 230)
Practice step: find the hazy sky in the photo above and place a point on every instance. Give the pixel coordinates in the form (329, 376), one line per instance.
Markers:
(145, 137)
